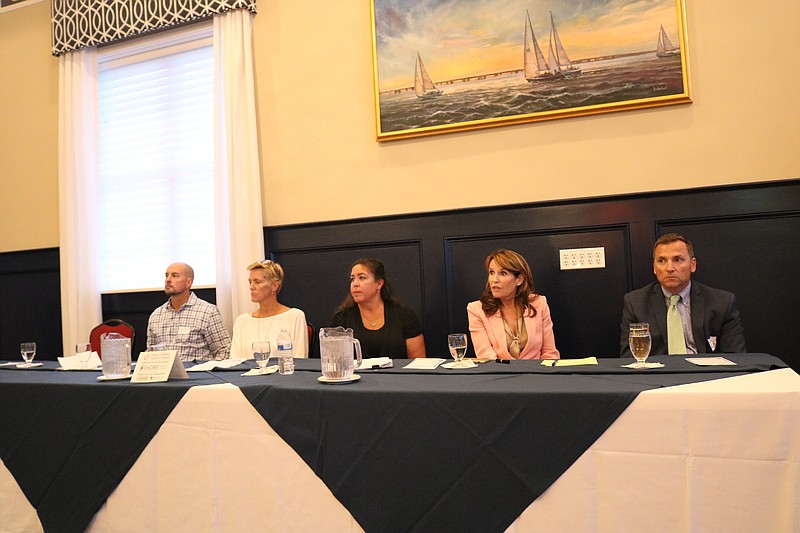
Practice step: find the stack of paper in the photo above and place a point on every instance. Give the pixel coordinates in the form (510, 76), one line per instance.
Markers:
(710, 361)
(424, 363)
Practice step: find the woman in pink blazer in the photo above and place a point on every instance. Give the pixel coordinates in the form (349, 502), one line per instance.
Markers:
(511, 321)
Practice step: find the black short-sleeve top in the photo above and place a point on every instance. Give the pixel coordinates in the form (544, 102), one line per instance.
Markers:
(399, 323)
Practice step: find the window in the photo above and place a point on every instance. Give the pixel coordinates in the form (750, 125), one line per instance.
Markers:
(156, 158)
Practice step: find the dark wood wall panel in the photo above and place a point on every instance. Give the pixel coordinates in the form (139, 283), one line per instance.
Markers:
(745, 236)
(30, 303)
(317, 280)
(757, 257)
(746, 241)
(579, 331)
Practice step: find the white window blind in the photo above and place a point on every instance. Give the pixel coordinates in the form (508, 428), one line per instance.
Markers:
(156, 155)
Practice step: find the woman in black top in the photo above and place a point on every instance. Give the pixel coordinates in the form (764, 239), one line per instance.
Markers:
(384, 327)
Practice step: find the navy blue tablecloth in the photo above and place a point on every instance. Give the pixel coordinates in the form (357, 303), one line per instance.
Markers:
(69, 440)
(464, 450)
(439, 450)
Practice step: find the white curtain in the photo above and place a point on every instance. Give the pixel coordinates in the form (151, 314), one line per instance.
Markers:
(78, 194)
(239, 226)
(240, 233)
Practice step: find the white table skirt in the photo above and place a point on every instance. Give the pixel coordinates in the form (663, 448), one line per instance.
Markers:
(722, 455)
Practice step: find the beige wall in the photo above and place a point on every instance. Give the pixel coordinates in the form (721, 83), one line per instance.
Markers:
(320, 160)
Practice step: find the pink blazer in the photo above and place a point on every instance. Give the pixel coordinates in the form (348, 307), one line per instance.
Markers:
(489, 337)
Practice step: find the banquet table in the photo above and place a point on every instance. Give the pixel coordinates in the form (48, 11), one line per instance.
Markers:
(520, 447)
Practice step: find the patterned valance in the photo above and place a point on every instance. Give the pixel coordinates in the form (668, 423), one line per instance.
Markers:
(79, 23)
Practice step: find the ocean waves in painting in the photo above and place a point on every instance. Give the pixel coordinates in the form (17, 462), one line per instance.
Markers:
(602, 82)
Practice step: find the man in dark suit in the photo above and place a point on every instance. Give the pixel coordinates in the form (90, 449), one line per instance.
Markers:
(710, 319)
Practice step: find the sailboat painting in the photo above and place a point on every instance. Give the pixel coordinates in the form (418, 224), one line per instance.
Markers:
(535, 66)
(665, 48)
(500, 62)
(423, 85)
(565, 66)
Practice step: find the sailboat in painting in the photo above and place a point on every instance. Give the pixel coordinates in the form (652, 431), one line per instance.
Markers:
(423, 85)
(665, 48)
(559, 54)
(536, 67)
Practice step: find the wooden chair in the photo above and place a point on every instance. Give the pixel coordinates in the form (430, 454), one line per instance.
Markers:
(112, 324)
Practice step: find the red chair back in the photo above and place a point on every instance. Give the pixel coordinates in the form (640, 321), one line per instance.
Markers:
(312, 340)
(112, 324)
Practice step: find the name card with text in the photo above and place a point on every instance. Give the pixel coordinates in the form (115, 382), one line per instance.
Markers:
(155, 367)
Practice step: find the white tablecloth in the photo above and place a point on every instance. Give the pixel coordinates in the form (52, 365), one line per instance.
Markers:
(722, 455)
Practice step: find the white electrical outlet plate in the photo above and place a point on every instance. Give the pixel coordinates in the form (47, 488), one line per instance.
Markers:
(577, 258)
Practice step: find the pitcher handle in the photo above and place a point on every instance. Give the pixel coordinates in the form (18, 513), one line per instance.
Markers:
(358, 352)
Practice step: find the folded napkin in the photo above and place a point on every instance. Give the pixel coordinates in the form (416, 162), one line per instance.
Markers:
(466, 363)
(73, 363)
(211, 365)
(376, 362)
(643, 365)
(261, 371)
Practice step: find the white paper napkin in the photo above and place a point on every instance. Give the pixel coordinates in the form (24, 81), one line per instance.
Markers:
(643, 365)
(466, 363)
(261, 371)
(72, 362)
(211, 365)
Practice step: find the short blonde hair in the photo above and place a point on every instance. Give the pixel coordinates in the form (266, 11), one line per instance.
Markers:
(272, 270)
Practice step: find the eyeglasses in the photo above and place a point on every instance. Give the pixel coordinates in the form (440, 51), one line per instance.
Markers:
(260, 264)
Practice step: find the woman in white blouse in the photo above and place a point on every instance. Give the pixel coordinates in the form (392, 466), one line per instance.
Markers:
(266, 322)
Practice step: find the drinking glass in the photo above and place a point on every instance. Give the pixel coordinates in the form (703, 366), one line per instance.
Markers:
(261, 351)
(28, 351)
(457, 342)
(639, 341)
(84, 351)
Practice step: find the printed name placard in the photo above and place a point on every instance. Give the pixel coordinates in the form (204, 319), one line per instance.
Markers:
(155, 367)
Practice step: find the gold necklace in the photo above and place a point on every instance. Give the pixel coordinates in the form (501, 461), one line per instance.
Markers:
(372, 322)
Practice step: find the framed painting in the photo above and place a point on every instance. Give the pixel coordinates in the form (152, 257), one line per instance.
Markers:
(442, 66)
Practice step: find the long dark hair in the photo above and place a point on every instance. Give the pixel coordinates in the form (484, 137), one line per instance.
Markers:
(513, 262)
(379, 273)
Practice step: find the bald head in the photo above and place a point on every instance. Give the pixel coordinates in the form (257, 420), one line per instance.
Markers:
(183, 267)
(178, 281)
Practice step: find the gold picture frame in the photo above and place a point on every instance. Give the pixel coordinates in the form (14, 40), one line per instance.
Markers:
(441, 67)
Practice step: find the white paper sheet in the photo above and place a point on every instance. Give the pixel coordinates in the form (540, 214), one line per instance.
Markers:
(710, 361)
(424, 363)
(73, 363)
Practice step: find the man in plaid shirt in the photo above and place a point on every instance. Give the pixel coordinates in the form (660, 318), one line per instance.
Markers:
(186, 323)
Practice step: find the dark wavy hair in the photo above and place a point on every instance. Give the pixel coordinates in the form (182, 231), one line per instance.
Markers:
(513, 262)
(379, 273)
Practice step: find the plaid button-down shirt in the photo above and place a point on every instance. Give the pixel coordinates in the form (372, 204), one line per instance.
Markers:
(195, 330)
